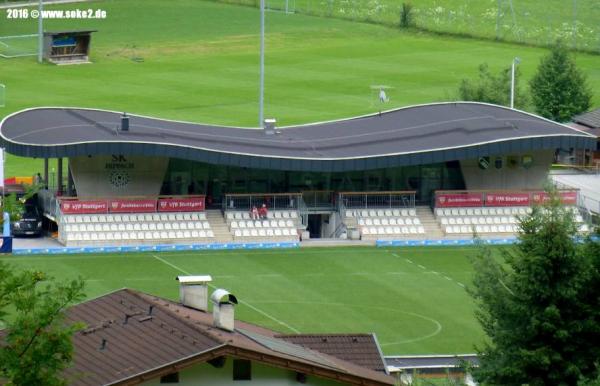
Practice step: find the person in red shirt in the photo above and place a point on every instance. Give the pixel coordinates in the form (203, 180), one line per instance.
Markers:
(262, 212)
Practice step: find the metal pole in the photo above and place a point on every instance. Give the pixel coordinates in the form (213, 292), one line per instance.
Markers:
(512, 82)
(40, 32)
(262, 65)
(512, 86)
(498, 22)
(59, 174)
(574, 24)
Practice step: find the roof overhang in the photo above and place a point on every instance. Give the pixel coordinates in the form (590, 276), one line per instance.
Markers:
(413, 135)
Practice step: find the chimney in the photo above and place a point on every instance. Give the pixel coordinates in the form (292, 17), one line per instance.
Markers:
(193, 291)
(269, 126)
(223, 302)
(124, 122)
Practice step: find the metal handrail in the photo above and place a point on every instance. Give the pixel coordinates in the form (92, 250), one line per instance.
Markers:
(378, 200)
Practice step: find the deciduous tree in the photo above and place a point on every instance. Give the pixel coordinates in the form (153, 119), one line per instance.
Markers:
(35, 344)
(493, 88)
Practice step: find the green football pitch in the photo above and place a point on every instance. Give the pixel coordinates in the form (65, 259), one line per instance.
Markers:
(198, 61)
(413, 298)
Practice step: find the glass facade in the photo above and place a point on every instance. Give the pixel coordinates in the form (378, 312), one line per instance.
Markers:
(189, 177)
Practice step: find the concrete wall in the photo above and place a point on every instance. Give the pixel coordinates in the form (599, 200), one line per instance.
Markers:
(512, 174)
(327, 228)
(206, 374)
(118, 175)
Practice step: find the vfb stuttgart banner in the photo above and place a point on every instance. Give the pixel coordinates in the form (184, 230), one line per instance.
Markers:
(192, 204)
(507, 199)
(75, 207)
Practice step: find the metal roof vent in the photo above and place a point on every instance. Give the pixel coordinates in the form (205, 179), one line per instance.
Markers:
(269, 126)
(223, 302)
(193, 291)
(124, 122)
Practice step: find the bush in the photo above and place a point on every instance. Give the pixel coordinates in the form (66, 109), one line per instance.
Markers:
(406, 16)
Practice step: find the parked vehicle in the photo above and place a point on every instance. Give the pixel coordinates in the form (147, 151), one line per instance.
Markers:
(29, 223)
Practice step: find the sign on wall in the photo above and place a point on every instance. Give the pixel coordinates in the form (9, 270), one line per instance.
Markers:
(449, 200)
(566, 197)
(132, 206)
(507, 199)
(80, 207)
(458, 200)
(195, 204)
(182, 204)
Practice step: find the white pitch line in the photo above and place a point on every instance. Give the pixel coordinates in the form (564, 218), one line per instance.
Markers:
(420, 266)
(460, 284)
(448, 278)
(241, 301)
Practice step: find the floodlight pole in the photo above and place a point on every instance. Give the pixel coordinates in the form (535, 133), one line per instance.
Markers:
(40, 32)
(261, 103)
(512, 82)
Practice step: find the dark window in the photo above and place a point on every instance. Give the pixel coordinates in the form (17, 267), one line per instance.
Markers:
(242, 370)
(170, 378)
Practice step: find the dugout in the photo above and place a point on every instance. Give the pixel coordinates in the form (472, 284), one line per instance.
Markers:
(67, 47)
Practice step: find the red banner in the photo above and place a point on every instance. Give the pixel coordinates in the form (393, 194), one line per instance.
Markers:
(78, 207)
(567, 197)
(458, 200)
(507, 199)
(132, 206)
(195, 204)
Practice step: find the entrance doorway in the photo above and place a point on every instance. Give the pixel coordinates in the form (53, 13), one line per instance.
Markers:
(314, 225)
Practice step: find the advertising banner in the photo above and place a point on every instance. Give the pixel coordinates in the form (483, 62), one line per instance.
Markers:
(458, 200)
(80, 207)
(192, 204)
(566, 197)
(132, 206)
(507, 199)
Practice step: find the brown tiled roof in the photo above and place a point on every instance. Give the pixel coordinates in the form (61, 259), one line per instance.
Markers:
(132, 337)
(360, 349)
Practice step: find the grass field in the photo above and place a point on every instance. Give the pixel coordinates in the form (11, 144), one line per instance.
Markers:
(198, 61)
(412, 298)
(535, 22)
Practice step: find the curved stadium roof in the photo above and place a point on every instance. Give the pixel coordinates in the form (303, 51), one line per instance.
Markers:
(406, 136)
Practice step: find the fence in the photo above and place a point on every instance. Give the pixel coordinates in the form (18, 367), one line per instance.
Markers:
(272, 200)
(318, 199)
(377, 200)
(523, 21)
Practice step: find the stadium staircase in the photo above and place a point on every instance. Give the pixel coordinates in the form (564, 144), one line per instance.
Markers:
(219, 226)
(431, 225)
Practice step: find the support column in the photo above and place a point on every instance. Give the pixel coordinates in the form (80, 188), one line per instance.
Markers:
(45, 182)
(59, 177)
(69, 180)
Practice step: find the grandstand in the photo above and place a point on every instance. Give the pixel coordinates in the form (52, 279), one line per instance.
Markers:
(446, 170)
(83, 230)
